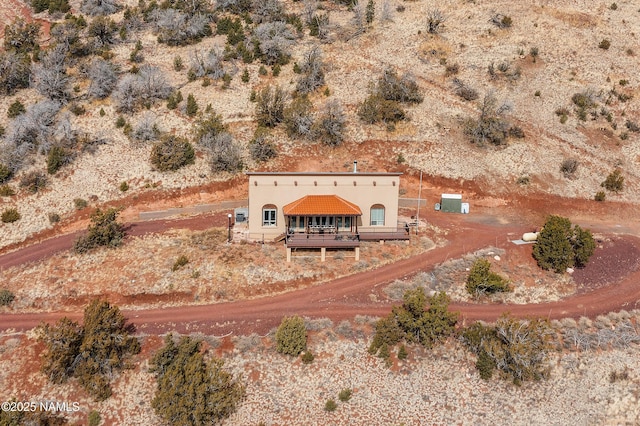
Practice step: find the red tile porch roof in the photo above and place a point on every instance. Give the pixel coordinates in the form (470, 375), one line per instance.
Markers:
(321, 205)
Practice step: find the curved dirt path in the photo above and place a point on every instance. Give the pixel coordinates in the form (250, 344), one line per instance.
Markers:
(339, 299)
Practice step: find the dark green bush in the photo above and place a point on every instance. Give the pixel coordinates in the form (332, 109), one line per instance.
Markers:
(104, 231)
(559, 247)
(291, 336)
(330, 405)
(600, 196)
(6, 191)
(80, 203)
(172, 153)
(15, 109)
(58, 157)
(124, 186)
(6, 297)
(482, 280)
(307, 357)
(192, 106)
(569, 167)
(614, 181)
(375, 109)
(5, 173)
(604, 44)
(345, 395)
(402, 352)
(180, 262)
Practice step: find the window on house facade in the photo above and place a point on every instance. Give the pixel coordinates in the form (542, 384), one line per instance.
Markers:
(269, 213)
(377, 215)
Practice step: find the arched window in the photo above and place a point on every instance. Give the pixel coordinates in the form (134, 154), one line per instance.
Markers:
(269, 214)
(377, 215)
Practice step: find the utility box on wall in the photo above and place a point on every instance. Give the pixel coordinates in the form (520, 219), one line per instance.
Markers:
(451, 203)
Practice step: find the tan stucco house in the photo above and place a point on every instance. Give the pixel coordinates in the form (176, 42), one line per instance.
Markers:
(324, 210)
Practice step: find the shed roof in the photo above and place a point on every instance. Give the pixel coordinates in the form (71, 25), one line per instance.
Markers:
(311, 205)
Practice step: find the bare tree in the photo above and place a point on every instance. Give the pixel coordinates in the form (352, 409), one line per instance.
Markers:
(33, 130)
(267, 11)
(386, 12)
(298, 117)
(102, 30)
(99, 7)
(51, 79)
(225, 155)
(177, 28)
(491, 125)
(274, 41)
(359, 18)
(208, 64)
(103, 78)
(146, 129)
(147, 86)
(312, 71)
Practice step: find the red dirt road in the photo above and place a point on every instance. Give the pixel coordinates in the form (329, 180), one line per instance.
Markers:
(338, 299)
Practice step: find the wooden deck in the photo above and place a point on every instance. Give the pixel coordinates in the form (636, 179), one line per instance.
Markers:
(377, 236)
(322, 240)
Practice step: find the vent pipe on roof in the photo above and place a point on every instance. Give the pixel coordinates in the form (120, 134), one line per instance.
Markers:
(355, 167)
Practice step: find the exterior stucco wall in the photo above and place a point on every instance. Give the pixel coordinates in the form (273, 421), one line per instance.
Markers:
(362, 189)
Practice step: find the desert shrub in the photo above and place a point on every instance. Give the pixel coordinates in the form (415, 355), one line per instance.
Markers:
(6, 191)
(516, 132)
(614, 181)
(80, 203)
(174, 100)
(103, 77)
(600, 196)
(104, 231)
(53, 217)
(5, 173)
(518, 348)
(569, 167)
(559, 246)
(124, 186)
(94, 418)
(435, 19)
(401, 89)
(10, 215)
(191, 388)
(501, 21)
(584, 102)
(15, 109)
(6, 297)
(34, 181)
(481, 280)
(491, 126)
(99, 7)
(261, 148)
(15, 72)
(145, 129)
(604, 44)
(375, 109)
(273, 42)
(291, 336)
(632, 126)
(172, 153)
(245, 76)
(180, 262)
(330, 405)
(563, 113)
(21, 37)
(225, 155)
(307, 357)
(270, 106)
(312, 70)
(345, 395)
(58, 157)
(298, 117)
(503, 70)
(329, 127)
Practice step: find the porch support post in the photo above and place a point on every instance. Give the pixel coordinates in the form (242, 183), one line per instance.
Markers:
(288, 254)
(323, 254)
(357, 249)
